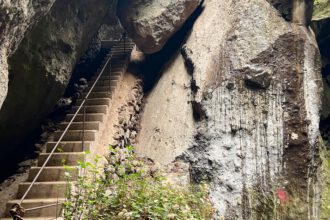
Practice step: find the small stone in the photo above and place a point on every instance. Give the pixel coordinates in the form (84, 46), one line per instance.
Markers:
(257, 78)
(230, 86)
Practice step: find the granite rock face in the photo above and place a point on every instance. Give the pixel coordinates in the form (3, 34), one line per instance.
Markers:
(150, 23)
(41, 66)
(15, 18)
(255, 78)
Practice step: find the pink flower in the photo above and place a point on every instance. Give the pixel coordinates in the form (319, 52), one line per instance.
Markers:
(281, 195)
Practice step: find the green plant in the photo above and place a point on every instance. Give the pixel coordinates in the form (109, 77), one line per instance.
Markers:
(325, 157)
(277, 204)
(128, 190)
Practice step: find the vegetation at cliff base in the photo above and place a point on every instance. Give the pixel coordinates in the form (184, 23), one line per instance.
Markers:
(127, 190)
(325, 157)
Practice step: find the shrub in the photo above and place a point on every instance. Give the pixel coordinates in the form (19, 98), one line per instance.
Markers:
(277, 204)
(127, 190)
(325, 157)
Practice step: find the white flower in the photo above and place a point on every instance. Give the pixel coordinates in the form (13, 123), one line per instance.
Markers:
(67, 174)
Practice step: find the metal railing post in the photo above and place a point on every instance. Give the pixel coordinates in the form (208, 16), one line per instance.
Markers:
(110, 71)
(124, 44)
(83, 127)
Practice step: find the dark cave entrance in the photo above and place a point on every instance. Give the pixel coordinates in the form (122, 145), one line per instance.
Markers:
(322, 32)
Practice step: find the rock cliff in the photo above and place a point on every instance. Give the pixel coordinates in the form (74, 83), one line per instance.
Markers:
(15, 18)
(40, 66)
(233, 88)
(245, 98)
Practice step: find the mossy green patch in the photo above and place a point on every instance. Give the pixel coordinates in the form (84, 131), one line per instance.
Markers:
(321, 9)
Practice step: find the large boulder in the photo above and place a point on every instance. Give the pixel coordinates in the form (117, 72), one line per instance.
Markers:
(15, 18)
(252, 124)
(150, 23)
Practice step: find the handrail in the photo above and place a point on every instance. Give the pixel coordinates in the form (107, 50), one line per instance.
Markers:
(67, 127)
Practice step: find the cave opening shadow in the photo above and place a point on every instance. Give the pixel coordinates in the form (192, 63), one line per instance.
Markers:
(26, 150)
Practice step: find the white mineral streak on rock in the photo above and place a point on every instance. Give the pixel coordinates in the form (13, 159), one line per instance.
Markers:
(3, 75)
(312, 95)
(312, 85)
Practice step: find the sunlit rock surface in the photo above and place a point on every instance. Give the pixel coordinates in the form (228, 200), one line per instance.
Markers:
(255, 85)
(150, 23)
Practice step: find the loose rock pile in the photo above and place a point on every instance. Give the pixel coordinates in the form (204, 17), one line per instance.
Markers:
(129, 115)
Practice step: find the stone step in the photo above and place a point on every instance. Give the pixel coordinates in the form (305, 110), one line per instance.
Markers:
(108, 83)
(121, 56)
(88, 117)
(118, 59)
(104, 88)
(37, 218)
(94, 95)
(120, 52)
(43, 190)
(105, 76)
(32, 203)
(89, 125)
(60, 159)
(69, 146)
(117, 70)
(89, 102)
(128, 47)
(72, 135)
(54, 173)
(114, 63)
(122, 43)
(51, 183)
(128, 41)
